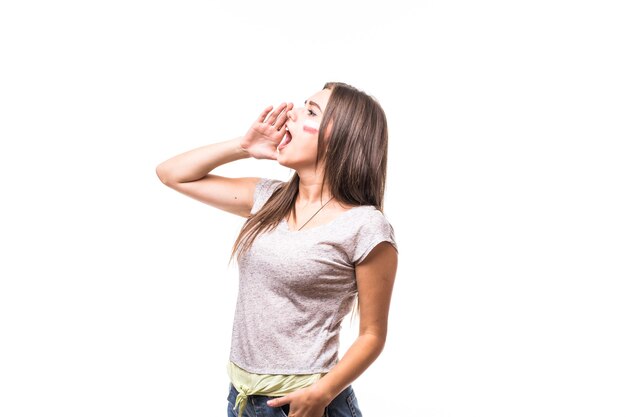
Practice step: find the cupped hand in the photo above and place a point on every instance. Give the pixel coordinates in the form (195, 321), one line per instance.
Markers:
(302, 403)
(262, 139)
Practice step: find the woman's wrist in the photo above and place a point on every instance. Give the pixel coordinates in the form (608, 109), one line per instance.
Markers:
(240, 151)
(322, 393)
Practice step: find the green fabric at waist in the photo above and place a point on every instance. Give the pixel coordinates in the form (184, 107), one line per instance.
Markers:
(247, 383)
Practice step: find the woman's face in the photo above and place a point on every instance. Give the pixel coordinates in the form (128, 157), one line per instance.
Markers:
(303, 125)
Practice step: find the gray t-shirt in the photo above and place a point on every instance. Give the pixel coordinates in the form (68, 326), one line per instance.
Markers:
(295, 288)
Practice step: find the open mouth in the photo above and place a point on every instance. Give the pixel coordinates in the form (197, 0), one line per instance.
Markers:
(285, 141)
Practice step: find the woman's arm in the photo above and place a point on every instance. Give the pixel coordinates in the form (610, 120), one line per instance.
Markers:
(189, 172)
(375, 277)
(196, 163)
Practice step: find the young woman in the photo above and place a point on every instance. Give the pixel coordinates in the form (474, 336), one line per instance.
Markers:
(308, 248)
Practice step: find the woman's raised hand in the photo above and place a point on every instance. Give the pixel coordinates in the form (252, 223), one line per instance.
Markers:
(262, 139)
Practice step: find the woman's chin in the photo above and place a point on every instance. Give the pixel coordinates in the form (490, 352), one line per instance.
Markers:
(296, 162)
(282, 159)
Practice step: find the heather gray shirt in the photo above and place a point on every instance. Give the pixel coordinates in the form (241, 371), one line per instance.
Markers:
(295, 288)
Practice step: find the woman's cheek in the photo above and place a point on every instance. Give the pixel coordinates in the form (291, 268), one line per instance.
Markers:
(309, 126)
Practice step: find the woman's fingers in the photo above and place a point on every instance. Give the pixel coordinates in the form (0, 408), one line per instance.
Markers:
(264, 113)
(282, 117)
(274, 120)
(278, 402)
(271, 120)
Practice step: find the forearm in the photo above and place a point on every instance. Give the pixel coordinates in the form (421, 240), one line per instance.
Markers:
(196, 163)
(363, 352)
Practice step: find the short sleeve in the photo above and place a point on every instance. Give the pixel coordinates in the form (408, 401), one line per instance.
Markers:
(265, 187)
(376, 230)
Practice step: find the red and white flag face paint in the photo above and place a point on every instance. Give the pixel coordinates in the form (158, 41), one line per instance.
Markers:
(310, 126)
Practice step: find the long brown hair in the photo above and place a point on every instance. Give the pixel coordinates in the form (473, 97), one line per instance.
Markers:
(352, 140)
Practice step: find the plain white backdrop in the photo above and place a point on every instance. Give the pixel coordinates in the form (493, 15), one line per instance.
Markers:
(506, 189)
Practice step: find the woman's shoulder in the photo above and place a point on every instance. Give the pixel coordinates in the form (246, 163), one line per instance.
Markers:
(366, 210)
(366, 220)
(264, 188)
(267, 183)
(370, 227)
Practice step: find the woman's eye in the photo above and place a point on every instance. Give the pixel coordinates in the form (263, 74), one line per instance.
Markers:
(310, 112)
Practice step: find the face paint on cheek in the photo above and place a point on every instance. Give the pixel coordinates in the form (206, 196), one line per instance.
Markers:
(310, 126)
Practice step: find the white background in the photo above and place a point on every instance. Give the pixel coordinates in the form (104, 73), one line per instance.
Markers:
(506, 189)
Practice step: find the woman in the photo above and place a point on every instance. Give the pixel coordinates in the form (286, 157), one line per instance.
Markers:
(309, 246)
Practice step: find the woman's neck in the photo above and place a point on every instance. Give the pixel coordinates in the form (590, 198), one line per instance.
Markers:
(310, 191)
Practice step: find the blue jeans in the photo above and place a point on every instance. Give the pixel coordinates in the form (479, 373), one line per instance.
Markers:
(344, 405)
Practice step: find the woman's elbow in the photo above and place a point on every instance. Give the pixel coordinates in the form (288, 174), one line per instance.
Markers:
(376, 341)
(163, 175)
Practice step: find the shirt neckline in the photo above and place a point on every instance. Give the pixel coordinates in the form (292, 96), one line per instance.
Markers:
(285, 225)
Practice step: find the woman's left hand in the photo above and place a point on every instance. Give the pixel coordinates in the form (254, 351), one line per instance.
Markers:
(305, 402)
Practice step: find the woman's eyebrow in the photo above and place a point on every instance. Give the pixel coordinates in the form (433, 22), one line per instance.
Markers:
(312, 103)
